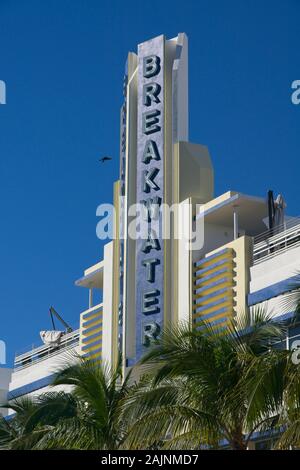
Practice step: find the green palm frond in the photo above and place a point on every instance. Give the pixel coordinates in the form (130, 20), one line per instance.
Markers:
(230, 377)
(195, 388)
(290, 302)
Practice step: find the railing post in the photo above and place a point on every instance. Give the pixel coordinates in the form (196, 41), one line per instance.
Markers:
(90, 298)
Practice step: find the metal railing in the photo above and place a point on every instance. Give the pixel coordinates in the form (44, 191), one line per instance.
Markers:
(276, 241)
(39, 353)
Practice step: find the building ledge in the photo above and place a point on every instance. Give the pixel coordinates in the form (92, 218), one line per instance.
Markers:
(252, 211)
(92, 277)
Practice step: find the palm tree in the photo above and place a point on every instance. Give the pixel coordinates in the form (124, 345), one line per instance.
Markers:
(88, 417)
(197, 395)
(33, 418)
(289, 417)
(200, 387)
(98, 422)
(290, 414)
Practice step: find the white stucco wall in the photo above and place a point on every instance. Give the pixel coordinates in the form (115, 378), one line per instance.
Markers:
(107, 334)
(42, 368)
(274, 270)
(274, 307)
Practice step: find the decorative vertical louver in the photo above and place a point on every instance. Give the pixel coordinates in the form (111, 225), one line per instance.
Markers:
(214, 293)
(91, 333)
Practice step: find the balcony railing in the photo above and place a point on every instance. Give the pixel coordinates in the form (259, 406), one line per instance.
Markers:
(34, 354)
(276, 241)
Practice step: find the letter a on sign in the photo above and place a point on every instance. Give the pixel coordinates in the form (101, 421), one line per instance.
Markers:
(150, 152)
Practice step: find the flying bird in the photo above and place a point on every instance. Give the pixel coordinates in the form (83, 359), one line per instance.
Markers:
(104, 159)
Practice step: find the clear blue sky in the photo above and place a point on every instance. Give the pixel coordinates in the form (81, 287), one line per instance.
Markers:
(63, 62)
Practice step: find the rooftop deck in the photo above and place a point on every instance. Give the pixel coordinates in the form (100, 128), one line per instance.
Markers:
(276, 241)
(35, 354)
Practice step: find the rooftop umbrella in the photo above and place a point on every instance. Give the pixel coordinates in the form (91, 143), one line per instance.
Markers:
(280, 206)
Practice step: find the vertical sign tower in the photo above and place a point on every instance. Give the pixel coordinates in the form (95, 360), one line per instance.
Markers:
(150, 191)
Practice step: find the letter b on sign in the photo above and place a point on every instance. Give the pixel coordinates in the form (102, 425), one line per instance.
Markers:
(151, 66)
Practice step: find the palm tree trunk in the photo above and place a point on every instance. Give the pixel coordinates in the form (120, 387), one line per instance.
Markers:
(238, 442)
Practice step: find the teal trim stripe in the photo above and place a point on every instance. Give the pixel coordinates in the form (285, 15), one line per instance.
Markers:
(91, 353)
(30, 387)
(98, 333)
(208, 316)
(273, 290)
(213, 284)
(213, 275)
(199, 272)
(213, 323)
(212, 304)
(88, 330)
(212, 295)
(211, 257)
(98, 340)
(93, 312)
(89, 322)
